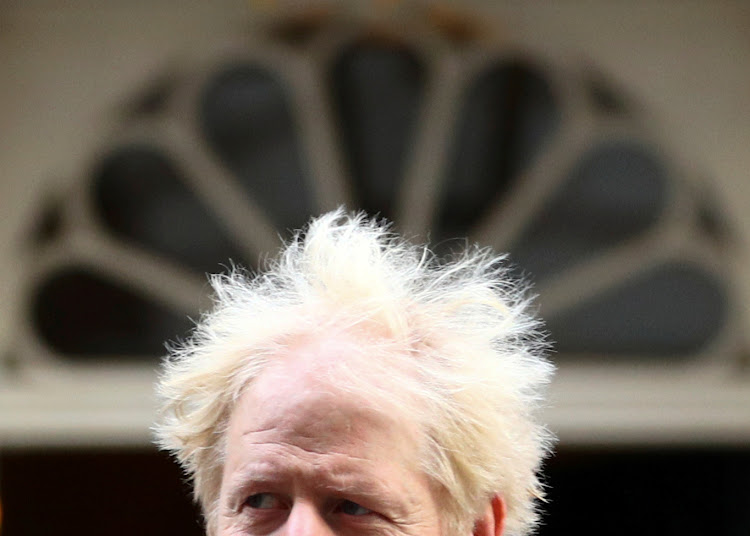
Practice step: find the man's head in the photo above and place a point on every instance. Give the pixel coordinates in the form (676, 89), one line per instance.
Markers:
(358, 380)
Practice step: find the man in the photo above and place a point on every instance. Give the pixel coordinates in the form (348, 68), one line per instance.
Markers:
(360, 386)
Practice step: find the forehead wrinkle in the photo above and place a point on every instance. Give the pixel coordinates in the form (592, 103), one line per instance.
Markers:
(312, 417)
(344, 479)
(343, 475)
(309, 428)
(303, 451)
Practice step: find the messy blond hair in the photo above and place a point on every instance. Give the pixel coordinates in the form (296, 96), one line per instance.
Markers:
(463, 325)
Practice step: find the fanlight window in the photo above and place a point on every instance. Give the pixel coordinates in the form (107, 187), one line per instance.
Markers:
(461, 139)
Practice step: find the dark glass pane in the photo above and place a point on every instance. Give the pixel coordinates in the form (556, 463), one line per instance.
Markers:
(508, 114)
(247, 121)
(617, 191)
(86, 317)
(376, 91)
(670, 311)
(95, 492)
(139, 195)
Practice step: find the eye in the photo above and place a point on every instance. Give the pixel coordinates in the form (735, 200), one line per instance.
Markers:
(351, 508)
(263, 501)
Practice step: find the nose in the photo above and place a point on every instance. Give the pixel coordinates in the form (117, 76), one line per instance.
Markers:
(305, 519)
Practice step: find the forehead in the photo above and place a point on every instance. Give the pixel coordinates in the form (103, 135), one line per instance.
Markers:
(324, 388)
(297, 425)
(296, 430)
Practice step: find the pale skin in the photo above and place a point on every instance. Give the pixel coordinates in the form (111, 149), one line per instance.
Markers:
(306, 458)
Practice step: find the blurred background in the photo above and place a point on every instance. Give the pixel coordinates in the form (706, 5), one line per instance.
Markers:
(604, 145)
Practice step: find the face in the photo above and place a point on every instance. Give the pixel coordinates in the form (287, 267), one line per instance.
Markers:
(303, 457)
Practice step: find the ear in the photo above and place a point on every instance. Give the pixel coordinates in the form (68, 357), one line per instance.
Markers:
(492, 521)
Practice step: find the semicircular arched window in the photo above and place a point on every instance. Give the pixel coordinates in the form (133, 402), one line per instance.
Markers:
(476, 141)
